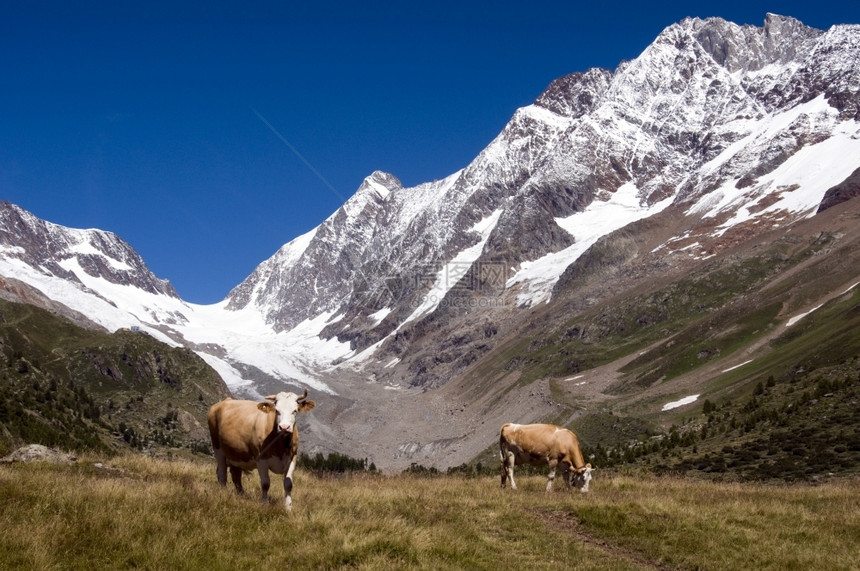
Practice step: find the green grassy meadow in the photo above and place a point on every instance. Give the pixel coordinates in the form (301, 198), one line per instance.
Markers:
(138, 512)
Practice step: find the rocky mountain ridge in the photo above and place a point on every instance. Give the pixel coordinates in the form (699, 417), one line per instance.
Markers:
(59, 250)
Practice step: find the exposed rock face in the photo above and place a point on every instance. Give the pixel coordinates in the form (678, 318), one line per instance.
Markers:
(38, 453)
(838, 194)
(314, 273)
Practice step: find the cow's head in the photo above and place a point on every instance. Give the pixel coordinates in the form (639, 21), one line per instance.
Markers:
(286, 407)
(582, 477)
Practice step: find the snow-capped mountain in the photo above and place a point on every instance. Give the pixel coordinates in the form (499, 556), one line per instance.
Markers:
(722, 132)
(736, 125)
(66, 252)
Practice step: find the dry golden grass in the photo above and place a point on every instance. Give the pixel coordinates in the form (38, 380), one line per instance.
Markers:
(157, 514)
(695, 524)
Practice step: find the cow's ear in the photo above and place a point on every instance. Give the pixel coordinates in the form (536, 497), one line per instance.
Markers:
(306, 405)
(266, 407)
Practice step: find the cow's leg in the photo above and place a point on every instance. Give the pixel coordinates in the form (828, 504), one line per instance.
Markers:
(221, 466)
(553, 464)
(503, 466)
(288, 485)
(236, 476)
(263, 469)
(508, 466)
(567, 470)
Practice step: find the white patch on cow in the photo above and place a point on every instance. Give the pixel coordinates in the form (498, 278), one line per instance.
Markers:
(582, 479)
(286, 409)
(682, 402)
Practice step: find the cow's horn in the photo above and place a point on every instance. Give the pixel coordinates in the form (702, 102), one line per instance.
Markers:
(304, 396)
(271, 398)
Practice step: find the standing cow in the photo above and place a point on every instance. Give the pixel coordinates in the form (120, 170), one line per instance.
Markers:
(542, 444)
(262, 435)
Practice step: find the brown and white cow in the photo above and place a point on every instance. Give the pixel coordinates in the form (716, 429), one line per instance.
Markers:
(262, 435)
(542, 444)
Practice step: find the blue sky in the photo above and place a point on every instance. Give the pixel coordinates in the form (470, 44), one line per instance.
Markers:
(209, 134)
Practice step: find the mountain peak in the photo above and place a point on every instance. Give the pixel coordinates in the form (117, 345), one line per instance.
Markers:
(371, 195)
(381, 182)
(749, 48)
(575, 94)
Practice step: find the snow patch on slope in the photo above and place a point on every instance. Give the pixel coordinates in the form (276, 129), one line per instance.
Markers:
(284, 355)
(98, 309)
(538, 277)
(85, 248)
(445, 280)
(291, 252)
(454, 270)
(801, 182)
(678, 403)
(798, 184)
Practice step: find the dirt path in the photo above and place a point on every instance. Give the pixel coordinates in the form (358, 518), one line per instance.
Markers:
(567, 522)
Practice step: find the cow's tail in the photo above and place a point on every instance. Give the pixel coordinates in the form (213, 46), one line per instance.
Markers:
(503, 441)
(212, 420)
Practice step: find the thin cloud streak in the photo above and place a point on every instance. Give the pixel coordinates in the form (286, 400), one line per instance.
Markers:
(298, 154)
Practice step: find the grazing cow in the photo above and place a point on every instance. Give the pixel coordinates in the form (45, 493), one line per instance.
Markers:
(540, 444)
(248, 435)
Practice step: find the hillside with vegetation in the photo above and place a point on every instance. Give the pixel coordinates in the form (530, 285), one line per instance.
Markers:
(79, 389)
